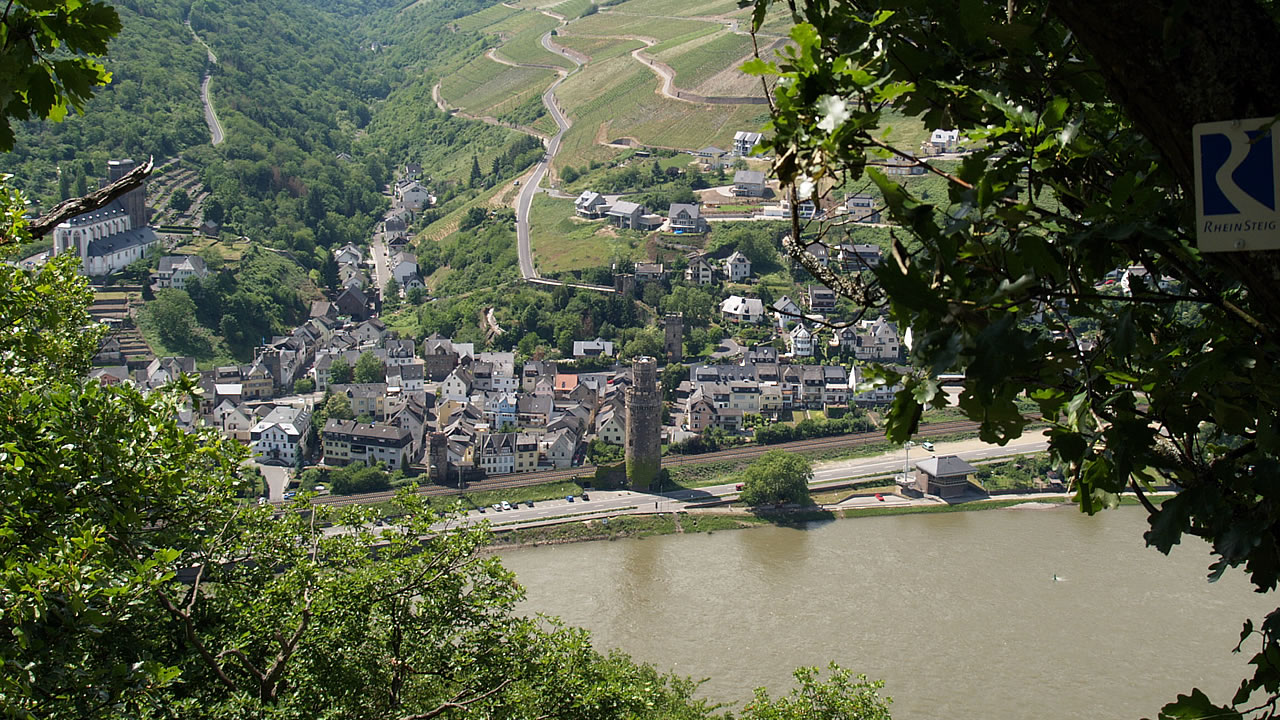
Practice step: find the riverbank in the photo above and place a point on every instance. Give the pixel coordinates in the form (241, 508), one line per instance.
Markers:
(717, 519)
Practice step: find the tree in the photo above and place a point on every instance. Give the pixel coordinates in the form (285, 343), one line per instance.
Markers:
(340, 371)
(180, 200)
(841, 697)
(391, 294)
(369, 369)
(1079, 117)
(302, 386)
(777, 477)
(173, 315)
(51, 57)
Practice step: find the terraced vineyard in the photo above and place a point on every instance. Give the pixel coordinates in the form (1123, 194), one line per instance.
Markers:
(485, 87)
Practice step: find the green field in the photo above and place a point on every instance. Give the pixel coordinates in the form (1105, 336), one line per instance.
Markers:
(484, 87)
(483, 19)
(524, 39)
(609, 24)
(685, 8)
(598, 48)
(561, 242)
(569, 8)
(619, 96)
(697, 61)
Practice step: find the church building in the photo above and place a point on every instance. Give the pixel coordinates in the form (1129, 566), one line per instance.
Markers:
(110, 237)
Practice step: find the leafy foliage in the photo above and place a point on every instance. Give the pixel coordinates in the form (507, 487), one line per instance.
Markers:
(1077, 174)
(51, 57)
(777, 477)
(842, 696)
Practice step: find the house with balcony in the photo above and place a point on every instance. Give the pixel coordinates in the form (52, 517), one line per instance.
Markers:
(686, 218)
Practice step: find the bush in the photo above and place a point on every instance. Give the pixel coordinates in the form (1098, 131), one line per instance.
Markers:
(356, 478)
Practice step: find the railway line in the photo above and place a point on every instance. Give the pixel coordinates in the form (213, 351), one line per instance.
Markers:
(507, 482)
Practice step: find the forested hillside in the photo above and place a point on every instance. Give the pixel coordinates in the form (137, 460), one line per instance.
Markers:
(152, 107)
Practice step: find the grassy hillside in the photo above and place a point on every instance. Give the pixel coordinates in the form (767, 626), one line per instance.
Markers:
(562, 242)
(522, 38)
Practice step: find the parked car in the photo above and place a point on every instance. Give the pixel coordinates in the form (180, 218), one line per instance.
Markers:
(569, 498)
(506, 505)
(481, 509)
(584, 496)
(928, 446)
(530, 502)
(879, 497)
(738, 486)
(496, 507)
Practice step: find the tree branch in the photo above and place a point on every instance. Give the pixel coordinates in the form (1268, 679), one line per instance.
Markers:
(456, 704)
(72, 207)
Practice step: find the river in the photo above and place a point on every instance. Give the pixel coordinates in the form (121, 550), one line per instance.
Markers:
(960, 614)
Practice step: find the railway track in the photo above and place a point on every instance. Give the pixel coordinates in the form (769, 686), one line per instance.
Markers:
(507, 482)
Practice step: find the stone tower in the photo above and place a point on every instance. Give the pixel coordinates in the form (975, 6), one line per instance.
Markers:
(673, 343)
(644, 424)
(134, 201)
(438, 457)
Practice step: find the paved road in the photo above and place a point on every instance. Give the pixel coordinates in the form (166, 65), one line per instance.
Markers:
(216, 134)
(607, 503)
(525, 200)
(381, 273)
(277, 480)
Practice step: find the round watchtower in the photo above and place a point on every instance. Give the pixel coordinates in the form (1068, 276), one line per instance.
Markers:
(644, 424)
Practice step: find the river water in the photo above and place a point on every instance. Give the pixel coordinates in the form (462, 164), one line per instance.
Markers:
(960, 614)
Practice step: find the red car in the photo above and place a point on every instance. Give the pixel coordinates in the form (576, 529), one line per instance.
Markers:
(738, 486)
(879, 497)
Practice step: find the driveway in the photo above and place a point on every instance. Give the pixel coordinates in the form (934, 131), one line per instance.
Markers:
(277, 480)
(728, 347)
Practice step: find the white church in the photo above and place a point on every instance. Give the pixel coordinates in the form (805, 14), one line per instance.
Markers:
(113, 236)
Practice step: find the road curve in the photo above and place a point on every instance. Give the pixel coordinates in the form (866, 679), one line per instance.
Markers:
(216, 135)
(525, 201)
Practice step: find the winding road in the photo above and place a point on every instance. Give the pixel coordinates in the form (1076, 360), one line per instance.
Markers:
(525, 201)
(216, 135)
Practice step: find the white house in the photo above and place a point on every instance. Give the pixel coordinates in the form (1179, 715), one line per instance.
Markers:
(590, 205)
(176, 270)
(413, 195)
(699, 271)
(592, 348)
(611, 426)
(801, 341)
(403, 267)
(748, 183)
(742, 310)
(496, 453)
(744, 142)
(785, 311)
(944, 141)
(686, 218)
(737, 267)
(558, 448)
(348, 254)
(280, 437)
(457, 386)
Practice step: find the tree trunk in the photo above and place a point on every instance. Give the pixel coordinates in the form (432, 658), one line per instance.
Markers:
(1172, 64)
